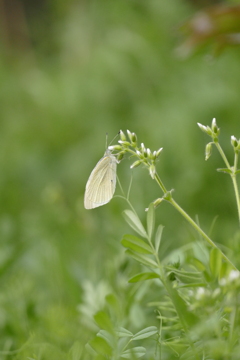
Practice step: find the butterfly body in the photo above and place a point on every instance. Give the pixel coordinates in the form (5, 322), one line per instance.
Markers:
(101, 184)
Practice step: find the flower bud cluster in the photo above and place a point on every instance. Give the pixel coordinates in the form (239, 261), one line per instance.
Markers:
(128, 143)
(204, 298)
(212, 131)
(235, 143)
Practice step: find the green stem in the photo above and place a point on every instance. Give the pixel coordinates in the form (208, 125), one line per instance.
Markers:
(236, 194)
(199, 230)
(235, 161)
(160, 183)
(222, 155)
(190, 220)
(233, 174)
(234, 180)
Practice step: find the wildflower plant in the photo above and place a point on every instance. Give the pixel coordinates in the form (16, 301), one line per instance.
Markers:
(214, 132)
(197, 311)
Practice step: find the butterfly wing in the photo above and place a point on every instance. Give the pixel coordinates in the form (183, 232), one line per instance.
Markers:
(101, 183)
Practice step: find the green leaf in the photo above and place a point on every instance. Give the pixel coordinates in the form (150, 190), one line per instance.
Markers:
(237, 172)
(122, 332)
(133, 220)
(100, 346)
(113, 303)
(103, 321)
(202, 284)
(184, 276)
(75, 352)
(135, 352)
(187, 317)
(90, 350)
(150, 220)
(215, 262)
(109, 338)
(207, 276)
(226, 171)
(143, 276)
(198, 264)
(225, 270)
(158, 237)
(145, 333)
(134, 243)
(143, 259)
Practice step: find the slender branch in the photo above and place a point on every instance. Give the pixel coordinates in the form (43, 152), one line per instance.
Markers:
(234, 180)
(190, 220)
(160, 183)
(222, 155)
(199, 230)
(232, 174)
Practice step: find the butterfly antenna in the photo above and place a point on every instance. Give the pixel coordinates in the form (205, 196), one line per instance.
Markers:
(114, 138)
(106, 145)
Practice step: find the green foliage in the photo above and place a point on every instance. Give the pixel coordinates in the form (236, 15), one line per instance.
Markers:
(69, 73)
(195, 315)
(75, 352)
(144, 276)
(136, 244)
(135, 223)
(118, 344)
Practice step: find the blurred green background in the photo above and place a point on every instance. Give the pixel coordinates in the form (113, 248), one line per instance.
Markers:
(70, 72)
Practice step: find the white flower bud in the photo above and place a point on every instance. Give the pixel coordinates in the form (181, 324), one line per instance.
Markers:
(129, 135)
(134, 138)
(159, 151)
(202, 127)
(124, 142)
(215, 128)
(114, 147)
(208, 151)
(234, 141)
(122, 135)
(149, 153)
(136, 164)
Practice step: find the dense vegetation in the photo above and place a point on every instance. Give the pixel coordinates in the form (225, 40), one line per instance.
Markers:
(69, 73)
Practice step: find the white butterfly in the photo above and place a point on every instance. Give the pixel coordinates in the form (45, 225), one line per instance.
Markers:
(101, 184)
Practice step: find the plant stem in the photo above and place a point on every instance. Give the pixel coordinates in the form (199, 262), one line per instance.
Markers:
(222, 154)
(199, 230)
(233, 174)
(160, 183)
(234, 180)
(190, 220)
